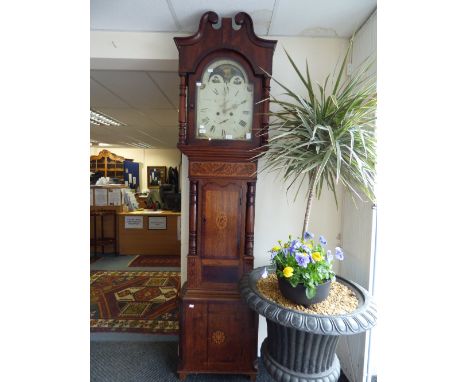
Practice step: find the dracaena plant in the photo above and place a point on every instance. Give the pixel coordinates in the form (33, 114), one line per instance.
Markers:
(327, 136)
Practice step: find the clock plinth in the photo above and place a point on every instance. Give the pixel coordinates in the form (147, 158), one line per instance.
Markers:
(222, 126)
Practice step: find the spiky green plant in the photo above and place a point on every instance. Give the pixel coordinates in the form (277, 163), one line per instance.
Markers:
(326, 137)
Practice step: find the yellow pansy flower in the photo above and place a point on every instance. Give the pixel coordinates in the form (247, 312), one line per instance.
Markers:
(288, 272)
(276, 248)
(317, 256)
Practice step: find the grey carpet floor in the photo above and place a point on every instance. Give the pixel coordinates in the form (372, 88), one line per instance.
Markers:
(148, 361)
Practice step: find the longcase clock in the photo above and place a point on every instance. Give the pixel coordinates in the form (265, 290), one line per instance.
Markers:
(222, 124)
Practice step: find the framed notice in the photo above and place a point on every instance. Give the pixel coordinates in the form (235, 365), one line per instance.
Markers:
(100, 197)
(114, 197)
(156, 176)
(133, 222)
(157, 222)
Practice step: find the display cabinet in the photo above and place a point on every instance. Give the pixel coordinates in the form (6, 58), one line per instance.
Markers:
(109, 164)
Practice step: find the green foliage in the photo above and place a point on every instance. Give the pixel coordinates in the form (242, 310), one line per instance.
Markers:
(328, 136)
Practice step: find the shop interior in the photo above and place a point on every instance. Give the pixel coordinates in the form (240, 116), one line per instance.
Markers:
(141, 197)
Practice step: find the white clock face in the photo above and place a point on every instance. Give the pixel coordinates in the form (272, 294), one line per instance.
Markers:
(224, 102)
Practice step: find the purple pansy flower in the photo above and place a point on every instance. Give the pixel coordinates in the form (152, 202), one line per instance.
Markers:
(305, 248)
(322, 240)
(302, 259)
(308, 236)
(329, 256)
(295, 244)
(339, 253)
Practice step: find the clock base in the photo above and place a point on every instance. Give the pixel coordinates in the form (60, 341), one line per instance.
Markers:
(218, 335)
(183, 374)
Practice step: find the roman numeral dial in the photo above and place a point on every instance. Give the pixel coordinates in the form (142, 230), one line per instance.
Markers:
(225, 102)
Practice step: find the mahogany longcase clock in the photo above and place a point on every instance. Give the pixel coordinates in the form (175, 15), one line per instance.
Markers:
(221, 125)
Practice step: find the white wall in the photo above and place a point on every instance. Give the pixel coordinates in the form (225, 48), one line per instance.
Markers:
(276, 213)
(357, 233)
(146, 157)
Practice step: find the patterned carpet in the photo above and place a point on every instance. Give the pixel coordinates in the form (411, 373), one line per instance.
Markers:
(155, 261)
(142, 302)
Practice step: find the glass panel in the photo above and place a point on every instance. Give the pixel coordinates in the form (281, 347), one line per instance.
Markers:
(224, 102)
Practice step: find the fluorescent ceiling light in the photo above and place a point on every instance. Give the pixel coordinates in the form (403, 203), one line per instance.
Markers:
(102, 144)
(97, 118)
(140, 145)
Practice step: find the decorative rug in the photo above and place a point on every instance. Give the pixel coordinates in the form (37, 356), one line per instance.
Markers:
(141, 302)
(155, 261)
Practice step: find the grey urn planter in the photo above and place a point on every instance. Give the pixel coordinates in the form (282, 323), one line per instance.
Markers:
(301, 347)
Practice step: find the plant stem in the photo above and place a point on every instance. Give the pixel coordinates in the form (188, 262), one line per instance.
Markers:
(309, 207)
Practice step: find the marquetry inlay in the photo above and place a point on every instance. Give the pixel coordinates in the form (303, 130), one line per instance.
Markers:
(223, 169)
(221, 221)
(218, 337)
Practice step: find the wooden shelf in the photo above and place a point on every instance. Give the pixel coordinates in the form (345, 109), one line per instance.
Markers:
(108, 163)
(104, 230)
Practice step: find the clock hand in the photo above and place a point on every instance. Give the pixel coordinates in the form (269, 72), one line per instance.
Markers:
(233, 107)
(227, 119)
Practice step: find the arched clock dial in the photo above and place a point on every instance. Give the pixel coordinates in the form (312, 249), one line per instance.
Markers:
(224, 102)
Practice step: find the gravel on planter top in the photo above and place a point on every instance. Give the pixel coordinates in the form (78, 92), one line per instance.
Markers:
(341, 299)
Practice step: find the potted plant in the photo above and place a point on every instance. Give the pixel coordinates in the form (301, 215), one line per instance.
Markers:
(323, 138)
(304, 268)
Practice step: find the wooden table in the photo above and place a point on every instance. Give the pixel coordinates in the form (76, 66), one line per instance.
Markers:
(146, 240)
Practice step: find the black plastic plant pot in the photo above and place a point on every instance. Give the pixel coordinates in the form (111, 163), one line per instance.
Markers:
(301, 347)
(298, 294)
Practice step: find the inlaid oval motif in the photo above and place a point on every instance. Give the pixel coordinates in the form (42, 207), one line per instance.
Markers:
(218, 337)
(221, 221)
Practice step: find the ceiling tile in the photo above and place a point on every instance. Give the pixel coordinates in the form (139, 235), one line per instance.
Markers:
(155, 137)
(131, 117)
(160, 135)
(168, 82)
(101, 97)
(318, 18)
(135, 87)
(163, 117)
(131, 15)
(188, 13)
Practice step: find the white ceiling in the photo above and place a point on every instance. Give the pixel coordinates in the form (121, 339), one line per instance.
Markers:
(331, 18)
(147, 101)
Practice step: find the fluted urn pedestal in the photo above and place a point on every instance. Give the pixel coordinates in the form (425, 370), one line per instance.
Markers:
(300, 347)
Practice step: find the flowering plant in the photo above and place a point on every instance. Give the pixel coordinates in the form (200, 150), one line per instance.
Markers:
(304, 261)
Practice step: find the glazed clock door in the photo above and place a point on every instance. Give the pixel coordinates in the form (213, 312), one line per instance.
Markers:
(222, 224)
(225, 102)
